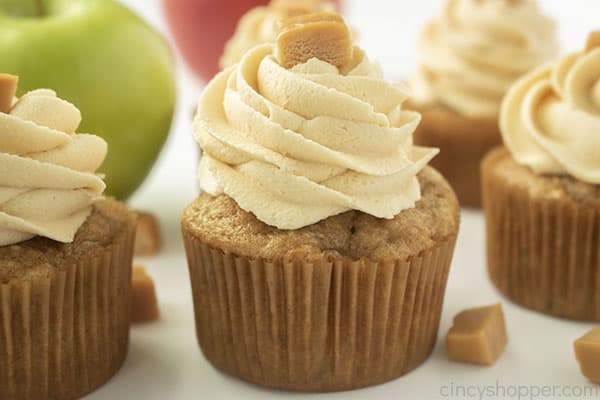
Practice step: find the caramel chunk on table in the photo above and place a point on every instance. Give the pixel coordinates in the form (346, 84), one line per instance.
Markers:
(478, 336)
(144, 304)
(323, 35)
(8, 90)
(587, 351)
(148, 240)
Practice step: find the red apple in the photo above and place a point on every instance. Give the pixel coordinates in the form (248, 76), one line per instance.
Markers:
(202, 27)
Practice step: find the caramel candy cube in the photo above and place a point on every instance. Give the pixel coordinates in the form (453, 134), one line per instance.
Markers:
(292, 8)
(144, 304)
(587, 351)
(148, 240)
(8, 90)
(478, 336)
(593, 41)
(323, 35)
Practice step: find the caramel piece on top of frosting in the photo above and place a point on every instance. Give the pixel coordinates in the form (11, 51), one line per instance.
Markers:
(292, 8)
(593, 41)
(478, 336)
(587, 351)
(8, 90)
(323, 35)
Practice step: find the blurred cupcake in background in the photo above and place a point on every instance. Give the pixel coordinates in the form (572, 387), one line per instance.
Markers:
(542, 195)
(471, 55)
(260, 25)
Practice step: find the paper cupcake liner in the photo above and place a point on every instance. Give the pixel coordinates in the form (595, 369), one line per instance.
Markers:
(543, 253)
(316, 327)
(64, 335)
(463, 142)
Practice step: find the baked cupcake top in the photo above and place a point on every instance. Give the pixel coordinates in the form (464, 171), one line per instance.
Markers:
(476, 49)
(326, 135)
(550, 118)
(48, 182)
(261, 25)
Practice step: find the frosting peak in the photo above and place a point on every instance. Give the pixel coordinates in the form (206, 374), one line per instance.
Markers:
(295, 146)
(550, 118)
(477, 49)
(47, 172)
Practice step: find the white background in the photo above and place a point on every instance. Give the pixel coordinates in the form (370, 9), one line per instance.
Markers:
(165, 362)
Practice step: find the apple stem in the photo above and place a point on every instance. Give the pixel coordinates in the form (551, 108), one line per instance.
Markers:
(40, 7)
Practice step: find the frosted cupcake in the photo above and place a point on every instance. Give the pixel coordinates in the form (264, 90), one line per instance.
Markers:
(65, 253)
(260, 25)
(320, 248)
(470, 56)
(542, 195)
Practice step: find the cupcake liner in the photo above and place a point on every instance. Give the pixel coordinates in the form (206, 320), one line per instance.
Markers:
(63, 335)
(543, 253)
(318, 327)
(463, 142)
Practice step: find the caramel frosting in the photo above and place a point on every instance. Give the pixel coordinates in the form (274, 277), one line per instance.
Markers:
(477, 49)
(47, 171)
(261, 25)
(295, 146)
(550, 119)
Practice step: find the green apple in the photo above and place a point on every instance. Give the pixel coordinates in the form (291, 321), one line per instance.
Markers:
(107, 61)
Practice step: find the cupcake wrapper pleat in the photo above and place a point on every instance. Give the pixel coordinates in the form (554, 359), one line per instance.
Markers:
(543, 253)
(64, 335)
(316, 327)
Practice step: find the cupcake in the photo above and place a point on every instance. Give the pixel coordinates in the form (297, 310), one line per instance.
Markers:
(471, 55)
(542, 193)
(261, 24)
(65, 253)
(320, 248)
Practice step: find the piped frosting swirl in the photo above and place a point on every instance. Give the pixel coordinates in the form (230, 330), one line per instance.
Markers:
(47, 172)
(295, 146)
(550, 119)
(476, 49)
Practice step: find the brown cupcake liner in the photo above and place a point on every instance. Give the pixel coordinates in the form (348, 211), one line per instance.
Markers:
(543, 253)
(64, 335)
(317, 327)
(463, 143)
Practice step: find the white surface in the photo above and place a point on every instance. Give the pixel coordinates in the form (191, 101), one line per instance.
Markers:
(165, 362)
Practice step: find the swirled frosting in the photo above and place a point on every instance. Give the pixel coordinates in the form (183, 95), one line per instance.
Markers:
(477, 49)
(297, 146)
(260, 26)
(47, 179)
(550, 119)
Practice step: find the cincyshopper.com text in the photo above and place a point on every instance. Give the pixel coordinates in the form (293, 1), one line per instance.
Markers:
(518, 391)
